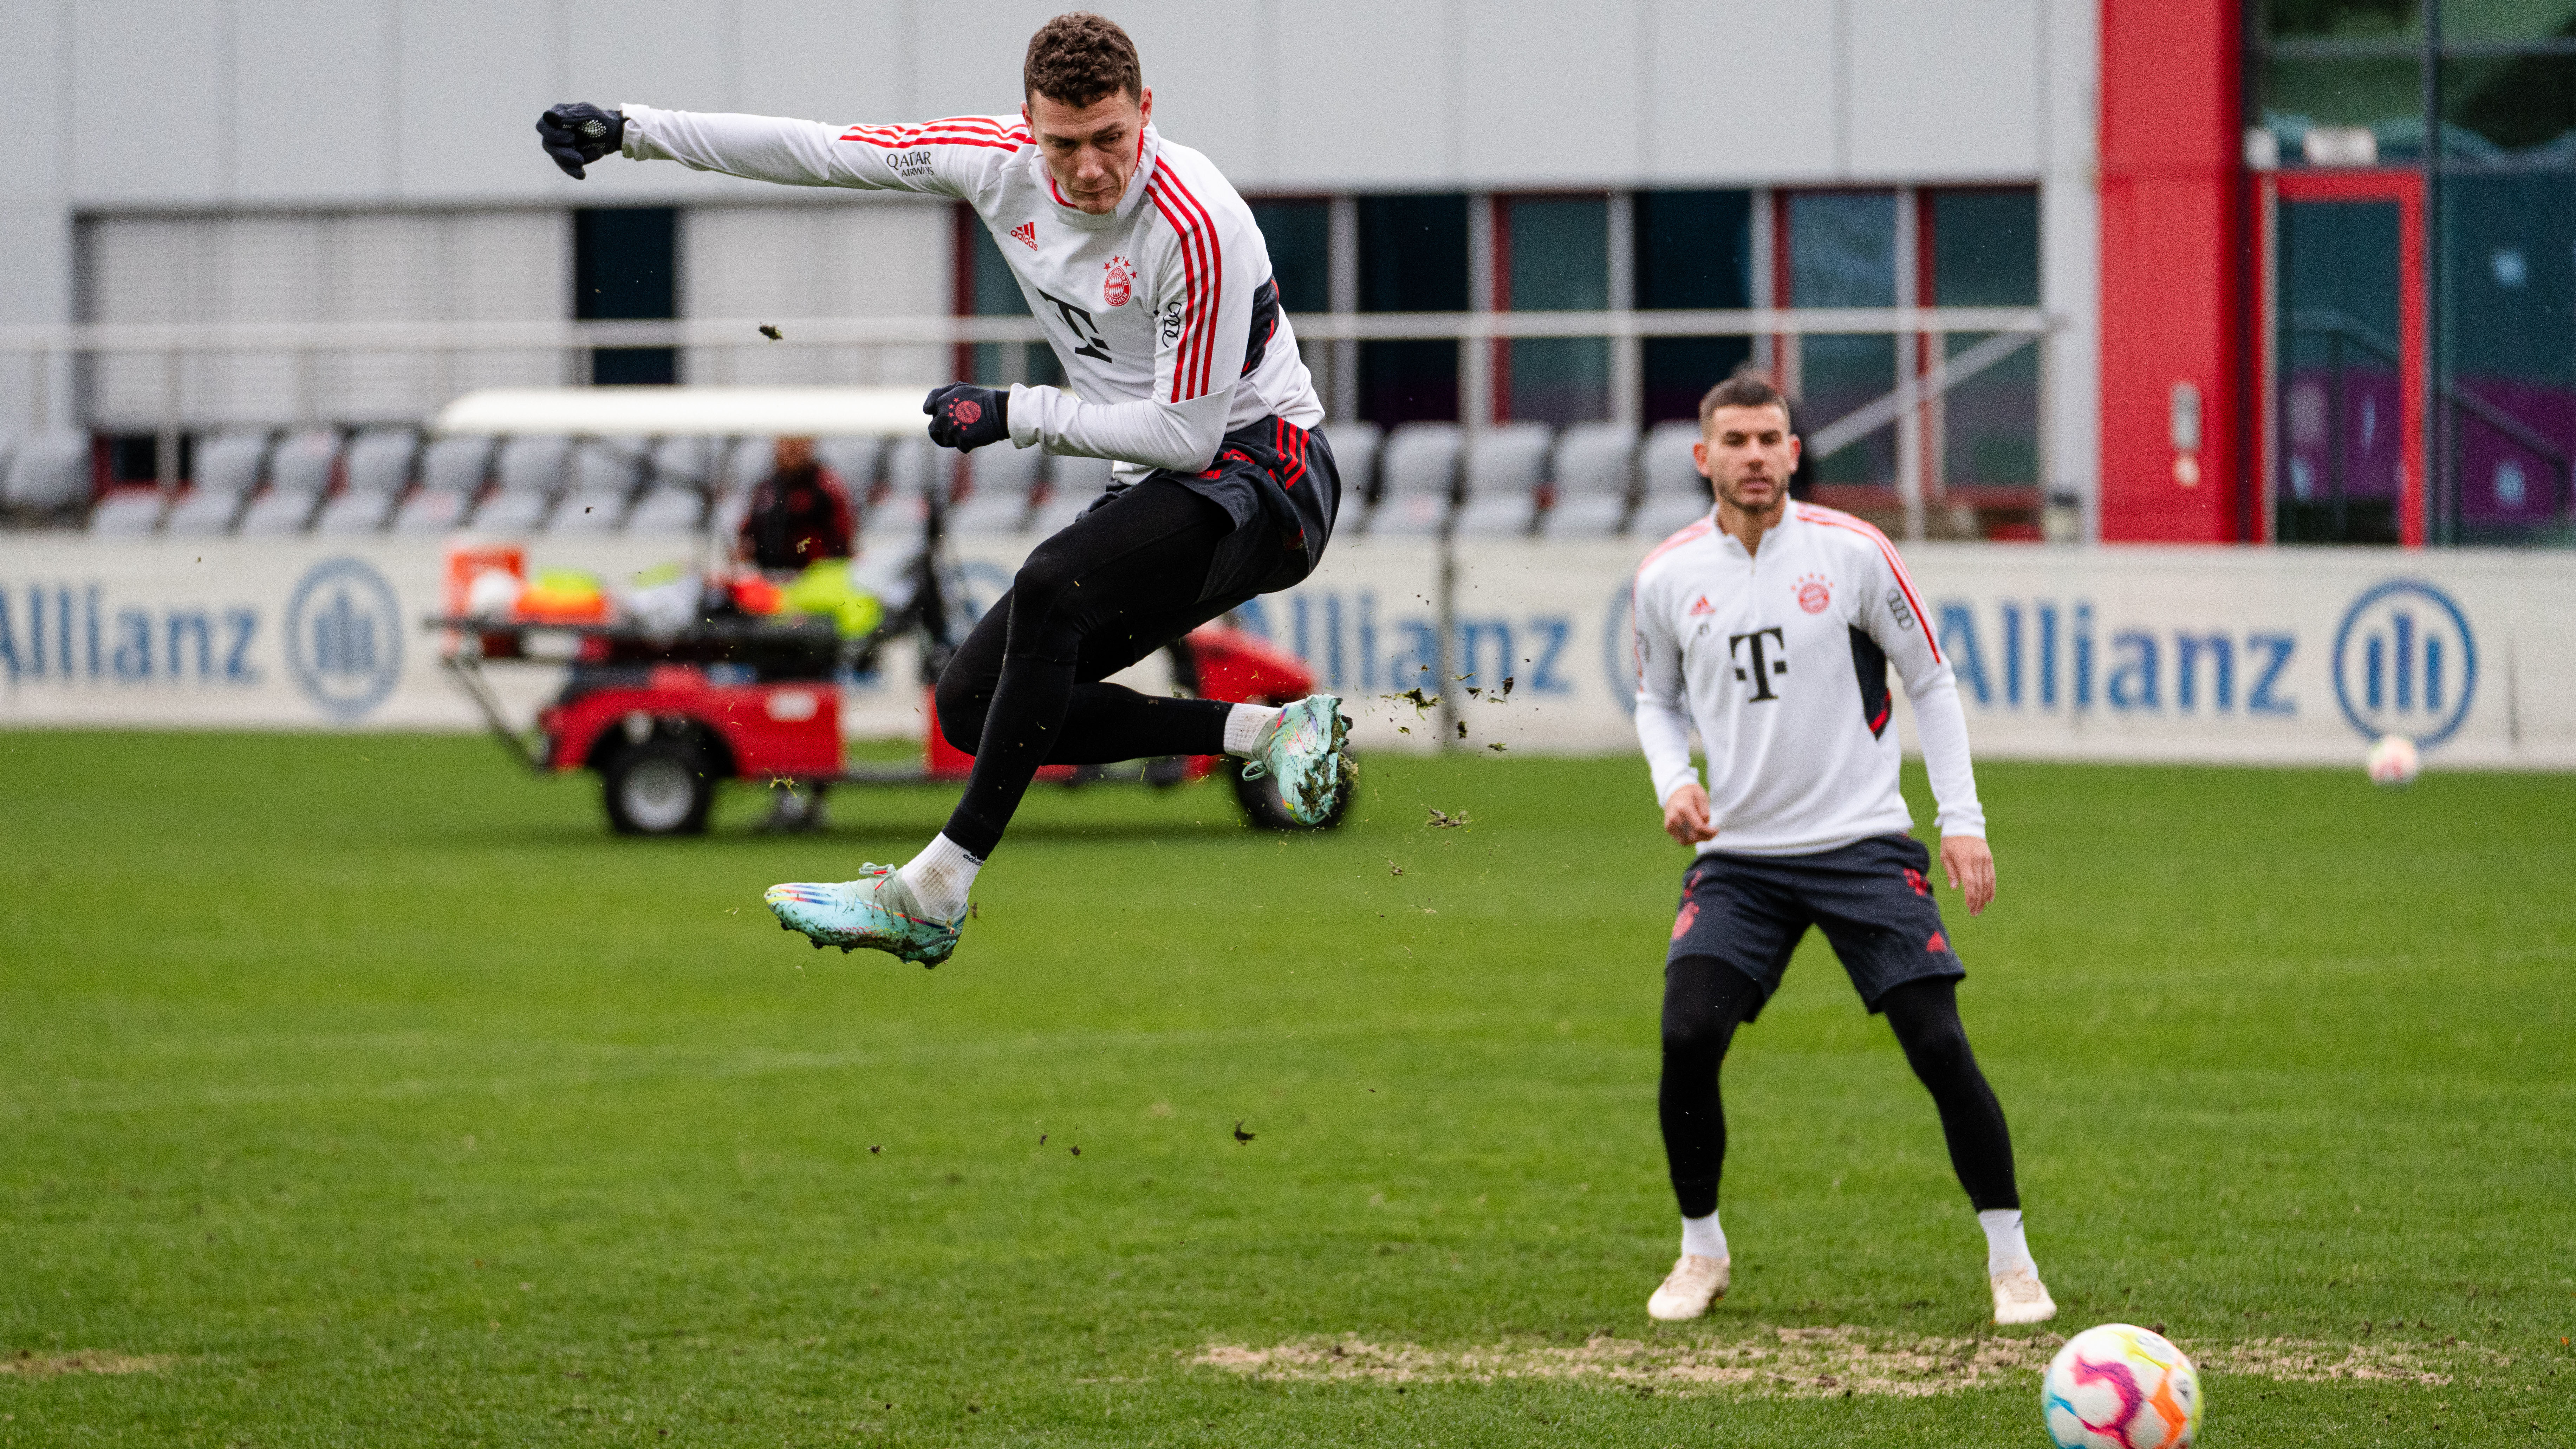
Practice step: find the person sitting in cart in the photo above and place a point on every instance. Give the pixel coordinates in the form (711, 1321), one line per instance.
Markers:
(799, 515)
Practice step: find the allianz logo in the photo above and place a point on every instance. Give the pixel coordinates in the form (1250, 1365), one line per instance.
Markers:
(1356, 641)
(72, 633)
(2051, 655)
(2404, 662)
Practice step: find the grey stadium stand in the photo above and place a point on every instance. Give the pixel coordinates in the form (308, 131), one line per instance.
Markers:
(1420, 468)
(915, 471)
(678, 473)
(452, 474)
(1505, 465)
(1004, 480)
(604, 477)
(1676, 496)
(1593, 478)
(229, 469)
(48, 473)
(299, 473)
(375, 473)
(530, 476)
(129, 512)
(1354, 448)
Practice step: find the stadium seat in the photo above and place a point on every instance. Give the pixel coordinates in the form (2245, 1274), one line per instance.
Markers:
(1004, 479)
(1592, 481)
(1354, 448)
(603, 488)
(229, 469)
(374, 473)
(298, 475)
(1072, 483)
(1420, 466)
(1676, 496)
(852, 460)
(531, 475)
(452, 473)
(129, 512)
(668, 508)
(1504, 466)
(48, 473)
(915, 471)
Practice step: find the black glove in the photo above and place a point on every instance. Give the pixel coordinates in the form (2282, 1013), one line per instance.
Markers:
(575, 132)
(966, 417)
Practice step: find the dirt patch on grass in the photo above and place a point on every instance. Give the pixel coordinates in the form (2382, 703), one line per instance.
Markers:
(1837, 1362)
(26, 1363)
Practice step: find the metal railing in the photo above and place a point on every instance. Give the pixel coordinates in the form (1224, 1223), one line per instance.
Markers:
(1331, 341)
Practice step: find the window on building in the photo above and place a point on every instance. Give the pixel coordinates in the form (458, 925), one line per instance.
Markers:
(624, 270)
(2507, 295)
(1981, 249)
(1841, 249)
(2340, 66)
(1299, 233)
(1413, 258)
(1694, 252)
(1553, 255)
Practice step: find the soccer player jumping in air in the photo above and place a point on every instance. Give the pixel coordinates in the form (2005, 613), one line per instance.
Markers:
(1155, 289)
(1769, 626)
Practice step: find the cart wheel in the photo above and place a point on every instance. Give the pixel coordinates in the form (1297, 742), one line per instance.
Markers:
(660, 787)
(1264, 810)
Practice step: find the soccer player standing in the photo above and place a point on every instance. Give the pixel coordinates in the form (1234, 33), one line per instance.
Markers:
(1769, 627)
(1155, 289)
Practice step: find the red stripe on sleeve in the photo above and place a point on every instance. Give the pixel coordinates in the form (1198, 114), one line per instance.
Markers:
(1215, 258)
(1189, 364)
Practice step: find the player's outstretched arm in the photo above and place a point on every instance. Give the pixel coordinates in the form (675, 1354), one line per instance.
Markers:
(944, 158)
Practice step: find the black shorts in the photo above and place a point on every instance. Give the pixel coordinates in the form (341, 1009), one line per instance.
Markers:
(1873, 898)
(1278, 482)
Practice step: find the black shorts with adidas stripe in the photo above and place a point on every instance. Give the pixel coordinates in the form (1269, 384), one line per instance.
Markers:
(1872, 898)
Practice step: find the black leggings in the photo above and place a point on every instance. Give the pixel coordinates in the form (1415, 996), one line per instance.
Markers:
(1025, 688)
(1705, 1000)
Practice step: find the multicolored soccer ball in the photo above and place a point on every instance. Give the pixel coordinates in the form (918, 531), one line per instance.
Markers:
(2121, 1387)
(2393, 761)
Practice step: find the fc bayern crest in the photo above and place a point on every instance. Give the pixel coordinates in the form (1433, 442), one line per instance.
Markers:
(1815, 593)
(1120, 284)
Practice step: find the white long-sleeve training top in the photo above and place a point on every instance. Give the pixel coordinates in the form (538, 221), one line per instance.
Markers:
(1780, 659)
(1163, 312)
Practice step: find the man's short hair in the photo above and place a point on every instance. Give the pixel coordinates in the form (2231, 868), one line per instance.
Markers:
(1744, 390)
(1079, 58)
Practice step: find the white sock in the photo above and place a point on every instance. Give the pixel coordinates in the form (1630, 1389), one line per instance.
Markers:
(2006, 1249)
(940, 876)
(1704, 1237)
(1244, 726)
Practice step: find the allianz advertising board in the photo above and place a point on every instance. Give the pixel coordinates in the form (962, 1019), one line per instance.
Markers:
(2113, 653)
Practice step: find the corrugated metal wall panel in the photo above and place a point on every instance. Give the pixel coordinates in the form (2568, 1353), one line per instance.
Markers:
(319, 267)
(871, 260)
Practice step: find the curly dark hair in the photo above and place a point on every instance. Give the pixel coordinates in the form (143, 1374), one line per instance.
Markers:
(1745, 390)
(1078, 58)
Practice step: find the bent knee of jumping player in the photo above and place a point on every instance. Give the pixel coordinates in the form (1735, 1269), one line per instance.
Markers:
(1047, 618)
(960, 704)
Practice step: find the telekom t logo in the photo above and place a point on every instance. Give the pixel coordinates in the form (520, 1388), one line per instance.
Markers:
(1762, 664)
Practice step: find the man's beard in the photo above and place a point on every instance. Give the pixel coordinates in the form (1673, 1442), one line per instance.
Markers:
(1779, 495)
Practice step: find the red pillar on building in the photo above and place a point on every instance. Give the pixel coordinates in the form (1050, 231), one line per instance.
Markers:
(2173, 338)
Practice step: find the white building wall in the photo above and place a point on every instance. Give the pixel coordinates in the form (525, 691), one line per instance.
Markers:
(373, 106)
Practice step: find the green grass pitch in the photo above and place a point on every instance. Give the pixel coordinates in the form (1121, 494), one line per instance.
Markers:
(359, 1091)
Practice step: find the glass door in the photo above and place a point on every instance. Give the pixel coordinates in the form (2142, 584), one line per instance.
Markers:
(2345, 376)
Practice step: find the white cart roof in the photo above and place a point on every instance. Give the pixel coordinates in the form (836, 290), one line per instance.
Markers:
(664, 412)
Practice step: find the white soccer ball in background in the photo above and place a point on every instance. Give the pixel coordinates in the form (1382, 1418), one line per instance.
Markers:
(2393, 761)
(2120, 1387)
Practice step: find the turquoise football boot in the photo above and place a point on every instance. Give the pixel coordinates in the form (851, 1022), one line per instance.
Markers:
(1308, 753)
(876, 911)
